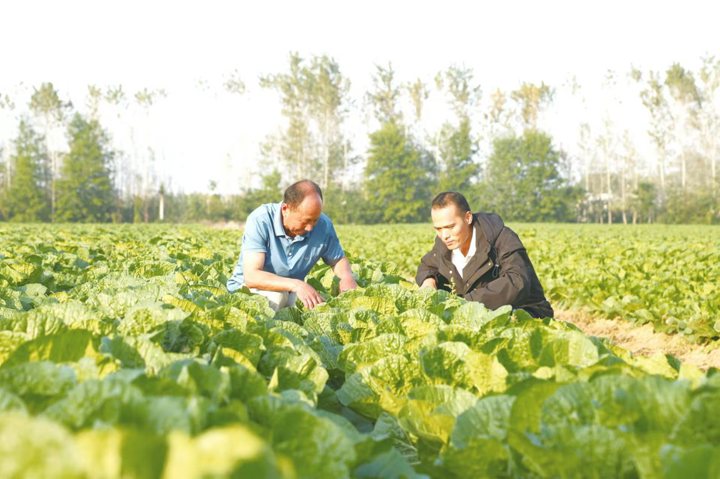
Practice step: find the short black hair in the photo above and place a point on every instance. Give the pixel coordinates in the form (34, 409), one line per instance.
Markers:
(296, 193)
(447, 198)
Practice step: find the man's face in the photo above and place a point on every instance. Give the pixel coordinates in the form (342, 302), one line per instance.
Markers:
(302, 219)
(452, 227)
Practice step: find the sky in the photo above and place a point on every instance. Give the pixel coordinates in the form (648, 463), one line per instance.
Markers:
(189, 48)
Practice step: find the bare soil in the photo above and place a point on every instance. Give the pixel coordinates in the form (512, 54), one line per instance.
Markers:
(642, 340)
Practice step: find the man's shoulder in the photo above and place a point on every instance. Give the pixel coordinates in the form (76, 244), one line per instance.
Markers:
(325, 220)
(489, 217)
(491, 223)
(263, 213)
(261, 221)
(323, 226)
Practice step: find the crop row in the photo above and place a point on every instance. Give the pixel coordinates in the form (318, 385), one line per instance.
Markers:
(121, 354)
(659, 274)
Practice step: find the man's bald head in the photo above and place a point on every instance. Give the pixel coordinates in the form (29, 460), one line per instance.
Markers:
(301, 208)
(298, 191)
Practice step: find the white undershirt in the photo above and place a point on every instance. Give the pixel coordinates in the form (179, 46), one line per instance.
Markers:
(460, 260)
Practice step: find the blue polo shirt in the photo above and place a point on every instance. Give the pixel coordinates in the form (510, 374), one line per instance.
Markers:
(285, 256)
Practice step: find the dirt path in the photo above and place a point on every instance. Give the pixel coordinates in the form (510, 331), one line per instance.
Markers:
(642, 340)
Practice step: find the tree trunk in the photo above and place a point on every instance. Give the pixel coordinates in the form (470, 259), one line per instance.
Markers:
(623, 197)
(713, 162)
(661, 166)
(326, 155)
(683, 164)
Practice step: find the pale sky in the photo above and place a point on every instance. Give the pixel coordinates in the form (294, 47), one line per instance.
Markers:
(201, 133)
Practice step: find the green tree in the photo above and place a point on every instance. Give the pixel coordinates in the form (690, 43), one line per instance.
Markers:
(234, 84)
(531, 99)
(708, 122)
(418, 93)
(524, 181)
(314, 99)
(93, 100)
(457, 150)
(28, 198)
(85, 189)
(645, 201)
(384, 95)
(296, 140)
(145, 176)
(215, 208)
(456, 145)
(344, 206)
(498, 116)
(3, 188)
(654, 98)
(46, 104)
(397, 177)
(685, 110)
(328, 90)
(6, 105)
(269, 192)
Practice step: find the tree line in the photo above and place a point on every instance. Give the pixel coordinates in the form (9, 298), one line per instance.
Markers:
(493, 147)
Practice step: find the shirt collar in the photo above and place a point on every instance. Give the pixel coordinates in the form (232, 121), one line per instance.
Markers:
(471, 251)
(278, 227)
(277, 222)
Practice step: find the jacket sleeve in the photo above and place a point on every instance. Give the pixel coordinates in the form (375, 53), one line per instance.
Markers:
(428, 269)
(512, 286)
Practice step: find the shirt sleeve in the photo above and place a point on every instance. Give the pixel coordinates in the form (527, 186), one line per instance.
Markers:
(332, 251)
(256, 234)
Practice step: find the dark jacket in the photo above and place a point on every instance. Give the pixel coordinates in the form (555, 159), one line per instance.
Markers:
(500, 273)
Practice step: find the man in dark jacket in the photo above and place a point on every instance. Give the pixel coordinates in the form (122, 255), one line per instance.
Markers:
(479, 258)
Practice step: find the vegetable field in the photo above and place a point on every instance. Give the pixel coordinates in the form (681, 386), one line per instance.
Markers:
(122, 355)
(664, 275)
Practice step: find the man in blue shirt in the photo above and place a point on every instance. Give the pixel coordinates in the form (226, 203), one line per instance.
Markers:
(282, 242)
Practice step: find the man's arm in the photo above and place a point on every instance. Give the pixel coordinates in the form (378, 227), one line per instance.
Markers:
(255, 277)
(342, 270)
(512, 285)
(334, 256)
(427, 272)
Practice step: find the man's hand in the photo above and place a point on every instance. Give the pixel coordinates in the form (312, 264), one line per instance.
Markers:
(429, 283)
(343, 271)
(307, 294)
(347, 283)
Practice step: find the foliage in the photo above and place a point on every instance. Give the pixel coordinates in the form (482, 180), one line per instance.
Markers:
(663, 275)
(46, 102)
(123, 355)
(531, 99)
(28, 198)
(677, 183)
(394, 163)
(695, 206)
(85, 190)
(347, 206)
(385, 95)
(314, 96)
(456, 155)
(524, 183)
